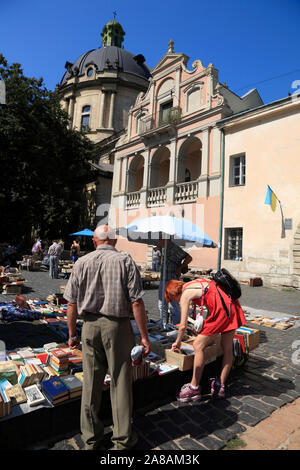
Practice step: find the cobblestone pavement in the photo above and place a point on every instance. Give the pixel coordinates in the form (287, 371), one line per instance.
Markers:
(267, 387)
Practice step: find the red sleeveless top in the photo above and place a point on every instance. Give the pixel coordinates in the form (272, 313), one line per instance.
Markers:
(217, 320)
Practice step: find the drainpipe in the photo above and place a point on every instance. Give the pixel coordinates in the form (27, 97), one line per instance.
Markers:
(221, 199)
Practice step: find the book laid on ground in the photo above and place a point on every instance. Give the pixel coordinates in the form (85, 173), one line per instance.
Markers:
(165, 368)
(33, 395)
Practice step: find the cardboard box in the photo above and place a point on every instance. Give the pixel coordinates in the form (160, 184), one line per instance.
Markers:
(186, 361)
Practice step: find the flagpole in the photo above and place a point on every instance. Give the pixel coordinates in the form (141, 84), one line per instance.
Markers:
(282, 217)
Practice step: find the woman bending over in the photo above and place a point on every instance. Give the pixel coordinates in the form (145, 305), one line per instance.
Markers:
(224, 317)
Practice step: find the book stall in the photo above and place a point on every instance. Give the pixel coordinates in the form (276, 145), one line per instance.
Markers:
(29, 263)
(34, 382)
(11, 280)
(65, 268)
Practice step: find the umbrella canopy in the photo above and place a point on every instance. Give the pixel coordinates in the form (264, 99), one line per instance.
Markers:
(150, 229)
(181, 231)
(85, 232)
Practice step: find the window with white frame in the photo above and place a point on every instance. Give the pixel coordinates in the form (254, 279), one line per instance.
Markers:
(85, 118)
(237, 170)
(233, 249)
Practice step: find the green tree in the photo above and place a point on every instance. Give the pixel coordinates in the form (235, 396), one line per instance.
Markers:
(43, 163)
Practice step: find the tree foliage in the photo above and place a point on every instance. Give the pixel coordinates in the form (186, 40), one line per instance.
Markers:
(44, 164)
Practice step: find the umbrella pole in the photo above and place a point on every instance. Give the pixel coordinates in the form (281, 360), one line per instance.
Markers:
(164, 285)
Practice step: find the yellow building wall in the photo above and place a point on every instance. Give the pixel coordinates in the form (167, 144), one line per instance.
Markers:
(272, 147)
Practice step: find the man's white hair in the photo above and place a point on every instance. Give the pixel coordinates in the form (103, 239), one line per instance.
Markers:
(104, 232)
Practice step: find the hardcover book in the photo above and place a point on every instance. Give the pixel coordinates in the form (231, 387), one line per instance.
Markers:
(54, 388)
(72, 383)
(59, 353)
(43, 357)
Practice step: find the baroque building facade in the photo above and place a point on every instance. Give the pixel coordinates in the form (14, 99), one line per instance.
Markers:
(169, 160)
(174, 140)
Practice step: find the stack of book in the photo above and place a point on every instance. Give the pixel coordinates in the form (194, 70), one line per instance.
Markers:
(13, 392)
(5, 403)
(59, 361)
(73, 384)
(30, 374)
(55, 390)
(142, 371)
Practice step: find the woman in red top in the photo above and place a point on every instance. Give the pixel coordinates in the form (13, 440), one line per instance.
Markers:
(218, 321)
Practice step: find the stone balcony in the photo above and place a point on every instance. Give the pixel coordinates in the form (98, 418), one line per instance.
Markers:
(184, 192)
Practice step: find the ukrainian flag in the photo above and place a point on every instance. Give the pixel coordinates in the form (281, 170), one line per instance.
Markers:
(271, 199)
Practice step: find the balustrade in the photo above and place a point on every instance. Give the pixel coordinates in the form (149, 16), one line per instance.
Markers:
(186, 192)
(156, 196)
(133, 200)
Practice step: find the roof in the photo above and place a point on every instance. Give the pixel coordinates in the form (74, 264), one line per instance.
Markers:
(109, 56)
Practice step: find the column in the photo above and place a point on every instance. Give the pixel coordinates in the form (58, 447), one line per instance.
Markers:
(177, 87)
(203, 179)
(111, 109)
(144, 189)
(102, 106)
(172, 172)
(129, 124)
(71, 110)
(215, 177)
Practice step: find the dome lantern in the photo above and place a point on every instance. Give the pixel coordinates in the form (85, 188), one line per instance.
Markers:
(112, 34)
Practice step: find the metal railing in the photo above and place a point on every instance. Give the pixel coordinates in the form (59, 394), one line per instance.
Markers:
(162, 118)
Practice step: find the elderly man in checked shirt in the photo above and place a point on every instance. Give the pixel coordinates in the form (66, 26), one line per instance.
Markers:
(104, 288)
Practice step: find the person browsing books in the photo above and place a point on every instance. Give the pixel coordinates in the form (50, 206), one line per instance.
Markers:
(104, 287)
(224, 317)
(176, 260)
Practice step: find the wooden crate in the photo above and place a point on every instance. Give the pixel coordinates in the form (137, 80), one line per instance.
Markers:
(186, 361)
(183, 361)
(253, 339)
(12, 289)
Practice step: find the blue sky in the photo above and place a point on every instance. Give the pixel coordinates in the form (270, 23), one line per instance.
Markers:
(253, 43)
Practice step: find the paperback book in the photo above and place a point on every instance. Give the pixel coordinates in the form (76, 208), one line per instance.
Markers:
(33, 395)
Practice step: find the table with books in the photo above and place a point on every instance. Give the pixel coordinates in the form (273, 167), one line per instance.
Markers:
(40, 387)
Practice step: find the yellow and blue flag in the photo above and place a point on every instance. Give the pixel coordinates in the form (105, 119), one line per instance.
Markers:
(271, 198)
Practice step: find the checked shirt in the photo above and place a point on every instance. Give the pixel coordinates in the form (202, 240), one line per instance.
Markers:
(104, 281)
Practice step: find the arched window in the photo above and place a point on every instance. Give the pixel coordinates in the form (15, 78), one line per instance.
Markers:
(85, 118)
